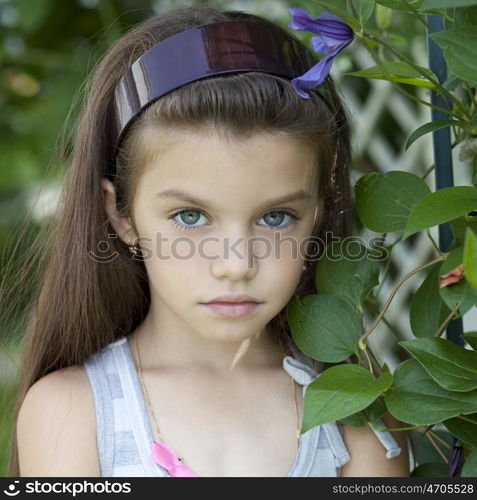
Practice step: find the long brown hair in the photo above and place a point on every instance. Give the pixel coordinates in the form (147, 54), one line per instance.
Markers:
(81, 305)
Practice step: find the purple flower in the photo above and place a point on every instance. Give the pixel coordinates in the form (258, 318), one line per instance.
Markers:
(334, 36)
(456, 457)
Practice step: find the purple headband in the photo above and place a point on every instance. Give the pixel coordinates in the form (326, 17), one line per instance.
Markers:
(226, 47)
(213, 49)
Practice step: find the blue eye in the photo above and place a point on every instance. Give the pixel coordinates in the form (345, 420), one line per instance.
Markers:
(275, 219)
(190, 217)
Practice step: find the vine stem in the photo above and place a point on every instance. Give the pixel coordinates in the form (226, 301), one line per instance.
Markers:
(432, 167)
(395, 85)
(436, 436)
(373, 358)
(437, 85)
(393, 293)
(428, 171)
(434, 244)
(442, 327)
(370, 365)
(431, 439)
(467, 419)
(390, 326)
(386, 429)
(388, 263)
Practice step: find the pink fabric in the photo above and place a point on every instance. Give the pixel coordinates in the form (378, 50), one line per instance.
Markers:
(165, 457)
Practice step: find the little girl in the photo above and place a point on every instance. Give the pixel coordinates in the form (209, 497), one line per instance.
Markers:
(208, 153)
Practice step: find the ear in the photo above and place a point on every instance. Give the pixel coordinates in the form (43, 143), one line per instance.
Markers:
(122, 225)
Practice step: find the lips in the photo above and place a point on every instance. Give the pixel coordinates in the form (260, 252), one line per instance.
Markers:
(234, 299)
(232, 309)
(233, 305)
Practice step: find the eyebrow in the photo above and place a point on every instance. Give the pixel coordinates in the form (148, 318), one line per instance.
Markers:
(181, 195)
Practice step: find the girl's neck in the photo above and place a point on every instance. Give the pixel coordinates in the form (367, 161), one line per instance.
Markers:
(175, 348)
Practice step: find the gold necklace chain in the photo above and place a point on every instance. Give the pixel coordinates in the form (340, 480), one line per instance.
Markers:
(149, 405)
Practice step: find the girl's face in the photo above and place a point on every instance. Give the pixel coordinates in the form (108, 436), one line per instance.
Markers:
(218, 216)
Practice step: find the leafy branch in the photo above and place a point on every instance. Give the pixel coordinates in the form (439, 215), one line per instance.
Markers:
(391, 296)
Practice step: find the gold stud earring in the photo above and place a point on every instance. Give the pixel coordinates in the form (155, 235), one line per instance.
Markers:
(133, 249)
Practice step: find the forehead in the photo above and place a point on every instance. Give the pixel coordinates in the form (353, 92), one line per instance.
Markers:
(215, 164)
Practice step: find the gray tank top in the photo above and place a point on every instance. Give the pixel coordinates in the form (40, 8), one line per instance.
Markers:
(124, 433)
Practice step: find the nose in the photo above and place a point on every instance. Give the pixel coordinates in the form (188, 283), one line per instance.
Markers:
(236, 262)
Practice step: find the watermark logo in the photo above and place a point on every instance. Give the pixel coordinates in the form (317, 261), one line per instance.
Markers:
(12, 490)
(351, 248)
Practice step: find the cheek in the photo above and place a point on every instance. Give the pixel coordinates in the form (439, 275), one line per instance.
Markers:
(289, 250)
(174, 280)
(174, 264)
(283, 276)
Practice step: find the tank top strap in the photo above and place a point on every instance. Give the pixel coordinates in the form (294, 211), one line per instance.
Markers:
(336, 443)
(300, 372)
(96, 369)
(124, 434)
(386, 439)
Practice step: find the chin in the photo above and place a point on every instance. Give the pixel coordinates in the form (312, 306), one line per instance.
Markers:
(231, 334)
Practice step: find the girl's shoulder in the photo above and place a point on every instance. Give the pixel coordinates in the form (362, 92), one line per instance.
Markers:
(368, 456)
(56, 428)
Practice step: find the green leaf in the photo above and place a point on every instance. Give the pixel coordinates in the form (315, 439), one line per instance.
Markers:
(400, 5)
(452, 83)
(340, 391)
(431, 127)
(471, 339)
(428, 310)
(417, 399)
(460, 291)
(451, 366)
(370, 414)
(324, 327)
(384, 202)
(348, 270)
(437, 469)
(441, 206)
(444, 4)
(399, 72)
(460, 50)
(462, 429)
(340, 8)
(459, 227)
(469, 468)
(364, 10)
(465, 17)
(470, 258)
(383, 16)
